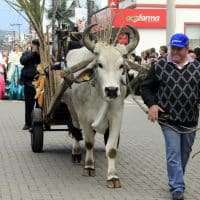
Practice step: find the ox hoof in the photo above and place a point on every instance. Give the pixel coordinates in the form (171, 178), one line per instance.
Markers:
(76, 158)
(113, 183)
(88, 172)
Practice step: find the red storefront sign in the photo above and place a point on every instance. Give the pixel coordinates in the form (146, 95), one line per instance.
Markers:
(140, 18)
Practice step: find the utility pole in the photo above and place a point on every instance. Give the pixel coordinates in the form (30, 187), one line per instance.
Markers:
(90, 9)
(19, 29)
(171, 19)
(13, 40)
(54, 8)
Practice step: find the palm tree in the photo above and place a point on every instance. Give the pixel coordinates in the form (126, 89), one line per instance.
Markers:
(63, 12)
(34, 12)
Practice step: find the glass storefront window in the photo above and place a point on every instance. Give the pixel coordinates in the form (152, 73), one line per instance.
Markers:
(193, 32)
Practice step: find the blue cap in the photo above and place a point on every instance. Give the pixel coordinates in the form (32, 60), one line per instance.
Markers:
(179, 40)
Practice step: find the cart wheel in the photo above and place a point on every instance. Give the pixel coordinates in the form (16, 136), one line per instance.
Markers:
(37, 138)
(37, 135)
(47, 127)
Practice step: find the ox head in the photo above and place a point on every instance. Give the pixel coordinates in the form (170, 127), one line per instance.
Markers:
(109, 66)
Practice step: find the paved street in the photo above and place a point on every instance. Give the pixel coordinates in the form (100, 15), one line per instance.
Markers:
(51, 175)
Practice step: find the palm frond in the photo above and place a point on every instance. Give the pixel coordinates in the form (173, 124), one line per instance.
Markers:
(34, 11)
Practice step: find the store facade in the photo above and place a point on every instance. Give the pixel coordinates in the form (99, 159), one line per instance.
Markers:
(150, 17)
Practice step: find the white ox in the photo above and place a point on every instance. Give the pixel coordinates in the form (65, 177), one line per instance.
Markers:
(97, 105)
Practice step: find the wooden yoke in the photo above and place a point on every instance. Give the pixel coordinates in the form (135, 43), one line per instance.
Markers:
(67, 76)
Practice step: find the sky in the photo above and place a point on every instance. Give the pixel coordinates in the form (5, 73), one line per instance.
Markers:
(102, 3)
(9, 16)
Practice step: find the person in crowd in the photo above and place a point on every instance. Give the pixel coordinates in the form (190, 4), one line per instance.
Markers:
(5, 63)
(14, 61)
(145, 57)
(191, 54)
(197, 53)
(30, 60)
(15, 91)
(163, 51)
(151, 56)
(171, 92)
(2, 80)
(135, 58)
(123, 38)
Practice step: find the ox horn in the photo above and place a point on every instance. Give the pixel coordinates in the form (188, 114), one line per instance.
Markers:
(134, 39)
(89, 44)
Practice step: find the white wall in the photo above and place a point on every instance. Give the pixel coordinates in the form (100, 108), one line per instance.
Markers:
(157, 37)
(186, 2)
(164, 1)
(150, 38)
(151, 1)
(186, 15)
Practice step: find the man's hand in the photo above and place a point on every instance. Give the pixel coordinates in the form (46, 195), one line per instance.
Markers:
(153, 112)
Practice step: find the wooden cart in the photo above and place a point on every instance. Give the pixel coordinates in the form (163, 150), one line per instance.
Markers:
(53, 111)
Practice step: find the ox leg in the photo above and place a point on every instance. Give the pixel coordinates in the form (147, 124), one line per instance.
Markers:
(76, 152)
(106, 135)
(89, 169)
(111, 148)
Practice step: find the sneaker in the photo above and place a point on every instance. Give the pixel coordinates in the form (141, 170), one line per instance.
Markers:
(26, 127)
(177, 196)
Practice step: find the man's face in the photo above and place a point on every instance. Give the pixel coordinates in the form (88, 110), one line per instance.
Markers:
(34, 48)
(162, 53)
(122, 38)
(178, 54)
(192, 55)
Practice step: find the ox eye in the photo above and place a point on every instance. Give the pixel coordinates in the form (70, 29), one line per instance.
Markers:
(121, 67)
(100, 65)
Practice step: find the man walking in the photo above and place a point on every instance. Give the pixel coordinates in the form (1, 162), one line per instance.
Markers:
(172, 87)
(30, 60)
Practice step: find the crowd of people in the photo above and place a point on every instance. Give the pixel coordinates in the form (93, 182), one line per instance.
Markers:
(18, 69)
(150, 56)
(10, 71)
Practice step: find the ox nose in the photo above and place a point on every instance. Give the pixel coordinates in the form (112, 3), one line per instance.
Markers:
(111, 92)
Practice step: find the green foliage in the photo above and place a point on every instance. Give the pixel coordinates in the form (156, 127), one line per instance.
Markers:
(63, 13)
(34, 11)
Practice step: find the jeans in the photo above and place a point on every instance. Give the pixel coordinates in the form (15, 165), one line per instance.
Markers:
(178, 148)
